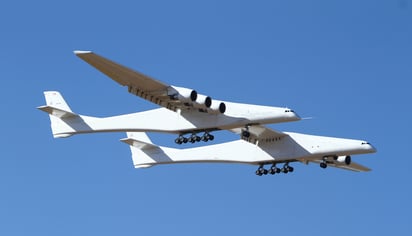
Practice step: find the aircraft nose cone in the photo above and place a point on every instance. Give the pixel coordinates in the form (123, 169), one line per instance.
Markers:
(369, 147)
(372, 148)
(296, 116)
(292, 115)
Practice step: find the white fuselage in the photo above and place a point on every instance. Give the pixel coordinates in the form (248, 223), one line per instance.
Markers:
(293, 147)
(164, 120)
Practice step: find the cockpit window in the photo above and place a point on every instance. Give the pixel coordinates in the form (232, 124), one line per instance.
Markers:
(289, 110)
(365, 143)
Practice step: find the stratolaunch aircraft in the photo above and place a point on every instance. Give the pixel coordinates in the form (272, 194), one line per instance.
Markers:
(184, 111)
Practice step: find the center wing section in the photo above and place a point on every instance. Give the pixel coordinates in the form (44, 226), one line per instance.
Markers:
(170, 97)
(256, 133)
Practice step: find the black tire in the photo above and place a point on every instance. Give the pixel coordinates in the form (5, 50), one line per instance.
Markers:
(246, 134)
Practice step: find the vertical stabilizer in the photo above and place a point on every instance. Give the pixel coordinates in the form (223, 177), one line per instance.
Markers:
(56, 100)
(58, 111)
(142, 148)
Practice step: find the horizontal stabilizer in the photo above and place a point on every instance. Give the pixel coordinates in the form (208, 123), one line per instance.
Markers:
(139, 140)
(57, 111)
(138, 144)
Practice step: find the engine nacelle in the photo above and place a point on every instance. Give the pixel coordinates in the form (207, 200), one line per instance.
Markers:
(203, 101)
(217, 107)
(344, 159)
(182, 94)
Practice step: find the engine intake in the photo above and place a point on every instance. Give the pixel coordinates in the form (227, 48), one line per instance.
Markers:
(217, 107)
(344, 159)
(203, 101)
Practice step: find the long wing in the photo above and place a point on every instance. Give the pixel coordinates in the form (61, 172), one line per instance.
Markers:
(137, 83)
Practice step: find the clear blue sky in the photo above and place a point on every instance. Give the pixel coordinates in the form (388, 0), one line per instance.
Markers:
(346, 63)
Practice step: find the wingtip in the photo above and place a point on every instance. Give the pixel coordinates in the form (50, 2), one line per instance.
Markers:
(78, 52)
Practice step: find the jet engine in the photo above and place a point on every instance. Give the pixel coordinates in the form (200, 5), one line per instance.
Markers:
(192, 98)
(203, 101)
(182, 94)
(344, 159)
(217, 107)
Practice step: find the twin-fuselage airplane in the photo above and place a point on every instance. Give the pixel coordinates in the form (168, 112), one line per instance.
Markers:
(193, 116)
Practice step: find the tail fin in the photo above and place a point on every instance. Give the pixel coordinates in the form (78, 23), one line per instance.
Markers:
(58, 109)
(142, 148)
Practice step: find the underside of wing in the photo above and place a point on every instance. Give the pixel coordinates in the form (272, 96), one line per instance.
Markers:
(121, 74)
(256, 133)
(352, 166)
(170, 97)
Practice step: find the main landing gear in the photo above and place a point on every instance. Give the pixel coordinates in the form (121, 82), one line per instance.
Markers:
(324, 163)
(194, 138)
(274, 170)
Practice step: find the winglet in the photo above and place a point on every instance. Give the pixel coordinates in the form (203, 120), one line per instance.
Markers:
(77, 52)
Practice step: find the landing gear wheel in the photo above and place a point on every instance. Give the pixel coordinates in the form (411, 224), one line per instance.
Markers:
(245, 134)
(205, 137)
(274, 170)
(323, 165)
(193, 138)
(261, 171)
(284, 170)
(179, 140)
